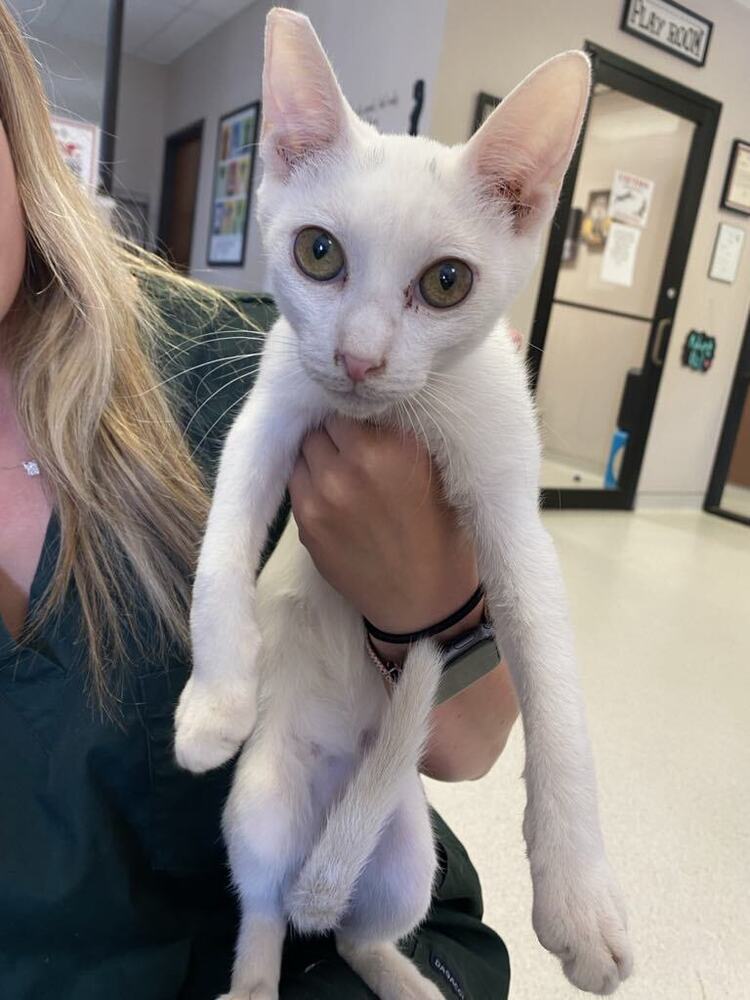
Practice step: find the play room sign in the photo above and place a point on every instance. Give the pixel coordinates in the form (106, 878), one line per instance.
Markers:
(669, 26)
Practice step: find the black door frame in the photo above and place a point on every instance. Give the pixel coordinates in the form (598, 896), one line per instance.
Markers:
(171, 145)
(736, 404)
(640, 82)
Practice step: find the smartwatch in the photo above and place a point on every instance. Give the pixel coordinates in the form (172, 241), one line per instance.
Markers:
(466, 658)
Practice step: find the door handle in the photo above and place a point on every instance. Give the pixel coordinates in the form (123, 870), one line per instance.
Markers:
(662, 326)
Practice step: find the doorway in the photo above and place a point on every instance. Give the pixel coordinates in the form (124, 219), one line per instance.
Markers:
(182, 158)
(611, 281)
(729, 487)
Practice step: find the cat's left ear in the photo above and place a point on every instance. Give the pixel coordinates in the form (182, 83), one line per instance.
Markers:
(520, 154)
(304, 110)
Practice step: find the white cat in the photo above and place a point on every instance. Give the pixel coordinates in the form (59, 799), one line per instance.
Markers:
(391, 260)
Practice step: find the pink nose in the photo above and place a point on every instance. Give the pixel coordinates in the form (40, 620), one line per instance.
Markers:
(359, 368)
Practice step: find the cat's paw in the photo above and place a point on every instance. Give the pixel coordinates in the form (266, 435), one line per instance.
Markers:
(211, 723)
(316, 903)
(579, 915)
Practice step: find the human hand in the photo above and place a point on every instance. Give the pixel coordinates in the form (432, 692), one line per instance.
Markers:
(369, 508)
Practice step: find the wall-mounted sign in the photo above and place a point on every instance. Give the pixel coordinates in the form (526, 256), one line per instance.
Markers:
(736, 193)
(725, 259)
(670, 26)
(79, 147)
(699, 351)
(630, 199)
(233, 178)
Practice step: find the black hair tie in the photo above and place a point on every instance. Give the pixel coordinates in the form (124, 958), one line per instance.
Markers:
(404, 638)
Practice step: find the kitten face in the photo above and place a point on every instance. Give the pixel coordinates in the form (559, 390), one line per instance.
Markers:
(389, 255)
(395, 205)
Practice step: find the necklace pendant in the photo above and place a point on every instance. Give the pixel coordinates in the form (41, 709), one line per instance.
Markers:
(32, 469)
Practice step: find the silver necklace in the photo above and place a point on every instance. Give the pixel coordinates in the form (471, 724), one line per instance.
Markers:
(31, 467)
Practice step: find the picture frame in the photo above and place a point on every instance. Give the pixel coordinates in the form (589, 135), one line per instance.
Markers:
(234, 167)
(486, 104)
(78, 142)
(735, 195)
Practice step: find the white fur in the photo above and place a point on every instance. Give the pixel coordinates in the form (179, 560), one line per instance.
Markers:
(326, 824)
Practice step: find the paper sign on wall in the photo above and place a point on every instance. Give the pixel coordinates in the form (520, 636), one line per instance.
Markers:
(630, 198)
(620, 252)
(725, 260)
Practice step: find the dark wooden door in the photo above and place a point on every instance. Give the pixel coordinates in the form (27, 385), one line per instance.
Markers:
(179, 189)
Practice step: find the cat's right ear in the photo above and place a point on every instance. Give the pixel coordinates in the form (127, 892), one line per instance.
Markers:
(519, 156)
(304, 110)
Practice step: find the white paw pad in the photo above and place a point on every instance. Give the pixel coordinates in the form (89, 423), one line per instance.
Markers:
(580, 917)
(211, 725)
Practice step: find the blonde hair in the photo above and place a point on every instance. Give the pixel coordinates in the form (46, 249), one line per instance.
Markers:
(130, 500)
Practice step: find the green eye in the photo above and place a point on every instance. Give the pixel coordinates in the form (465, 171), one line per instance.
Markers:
(446, 283)
(318, 254)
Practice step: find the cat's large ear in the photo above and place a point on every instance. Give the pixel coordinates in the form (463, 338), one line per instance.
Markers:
(304, 111)
(520, 154)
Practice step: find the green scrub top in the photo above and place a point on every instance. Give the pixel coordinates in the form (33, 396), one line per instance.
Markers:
(114, 883)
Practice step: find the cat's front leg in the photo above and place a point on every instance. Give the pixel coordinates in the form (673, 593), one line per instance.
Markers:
(217, 710)
(578, 913)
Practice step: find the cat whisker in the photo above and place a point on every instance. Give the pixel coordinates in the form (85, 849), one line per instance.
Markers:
(186, 371)
(216, 392)
(219, 419)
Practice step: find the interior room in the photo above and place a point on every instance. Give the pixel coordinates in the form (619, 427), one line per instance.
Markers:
(634, 333)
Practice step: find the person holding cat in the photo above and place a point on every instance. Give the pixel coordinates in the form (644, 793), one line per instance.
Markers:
(117, 383)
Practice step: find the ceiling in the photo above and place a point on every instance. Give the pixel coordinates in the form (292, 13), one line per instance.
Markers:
(157, 30)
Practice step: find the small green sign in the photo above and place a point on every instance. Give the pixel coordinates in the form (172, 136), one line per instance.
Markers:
(699, 350)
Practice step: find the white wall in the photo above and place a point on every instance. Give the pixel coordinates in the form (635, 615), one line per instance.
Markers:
(73, 74)
(489, 46)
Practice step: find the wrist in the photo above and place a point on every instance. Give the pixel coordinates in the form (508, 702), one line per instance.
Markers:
(396, 652)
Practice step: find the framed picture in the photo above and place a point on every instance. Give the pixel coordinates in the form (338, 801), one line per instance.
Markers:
(596, 221)
(736, 193)
(486, 104)
(79, 147)
(233, 178)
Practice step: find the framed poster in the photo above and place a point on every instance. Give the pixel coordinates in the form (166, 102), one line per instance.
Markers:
(79, 147)
(725, 259)
(736, 193)
(233, 178)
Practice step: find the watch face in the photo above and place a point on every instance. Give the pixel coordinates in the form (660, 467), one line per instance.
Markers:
(464, 666)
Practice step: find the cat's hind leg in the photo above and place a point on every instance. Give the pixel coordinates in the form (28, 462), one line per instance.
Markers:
(266, 828)
(392, 897)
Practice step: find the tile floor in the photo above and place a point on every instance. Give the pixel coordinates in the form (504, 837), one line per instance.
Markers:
(661, 603)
